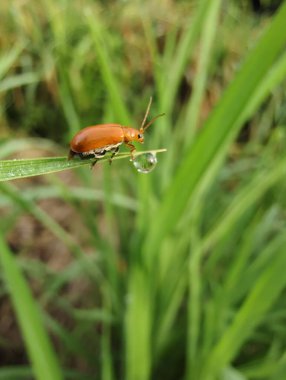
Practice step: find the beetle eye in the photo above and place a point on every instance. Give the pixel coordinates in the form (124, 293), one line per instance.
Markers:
(140, 136)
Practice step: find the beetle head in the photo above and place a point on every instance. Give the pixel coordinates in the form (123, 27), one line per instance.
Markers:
(132, 134)
(140, 137)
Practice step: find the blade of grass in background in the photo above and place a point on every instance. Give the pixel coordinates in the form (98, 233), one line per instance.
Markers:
(16, 373)
(138, 325)
(198, 87)
(245, 198)
(76, 192)
(172, 73)
(192, 117)
(59, 23)
(185, 47)
(272, 78)
(217, 134)
(143, 324)
(41, 353)
(104, 61)
(266, 290)
(7, 60)
(43, 217)
(213, 141)
(15, 81)
(248, 200)
(68, 102)
(10, 148)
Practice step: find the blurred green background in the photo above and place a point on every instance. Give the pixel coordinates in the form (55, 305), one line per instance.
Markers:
(175, 274)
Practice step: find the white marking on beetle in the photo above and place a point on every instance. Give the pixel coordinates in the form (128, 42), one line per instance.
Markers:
(100, 152)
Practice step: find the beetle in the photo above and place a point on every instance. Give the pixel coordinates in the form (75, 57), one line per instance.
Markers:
(97, 140)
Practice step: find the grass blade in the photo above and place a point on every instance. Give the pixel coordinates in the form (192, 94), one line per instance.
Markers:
(41, 353)
(138, 350)
(209, 33)
(267, 288)
(245, 198)
(18, 80)
(185, 47)
(22, 168)
(77, 192)
(118, 106)
(7, 60)
(219, 131)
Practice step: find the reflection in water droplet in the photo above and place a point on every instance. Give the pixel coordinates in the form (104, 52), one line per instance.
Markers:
(145, 162)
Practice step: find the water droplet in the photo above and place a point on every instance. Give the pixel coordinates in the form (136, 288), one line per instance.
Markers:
(145, 162)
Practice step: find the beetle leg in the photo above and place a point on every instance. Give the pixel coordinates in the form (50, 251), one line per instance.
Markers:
(132, 149)
(71, 155)
(114, 151)
(93, 163)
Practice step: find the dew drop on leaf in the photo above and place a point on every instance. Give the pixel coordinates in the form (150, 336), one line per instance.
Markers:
(145, 162)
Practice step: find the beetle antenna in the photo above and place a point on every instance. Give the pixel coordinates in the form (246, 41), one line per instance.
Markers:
(143, 126)
(152, 121)
(146, 114)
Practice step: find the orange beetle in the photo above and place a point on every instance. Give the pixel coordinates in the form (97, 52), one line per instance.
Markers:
(97, 140)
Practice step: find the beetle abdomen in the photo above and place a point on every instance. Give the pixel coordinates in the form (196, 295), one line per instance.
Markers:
(97, 138)
(100, 152)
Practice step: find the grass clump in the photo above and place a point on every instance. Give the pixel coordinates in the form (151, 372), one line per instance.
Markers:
(177, 274)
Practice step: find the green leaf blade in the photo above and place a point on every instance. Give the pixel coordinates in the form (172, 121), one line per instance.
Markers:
(41, 353)
(220, 129)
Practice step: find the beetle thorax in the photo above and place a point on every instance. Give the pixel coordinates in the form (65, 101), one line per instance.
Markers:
(132, 134)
